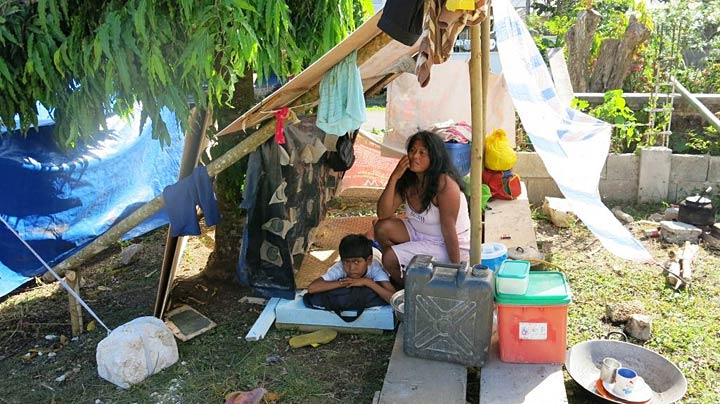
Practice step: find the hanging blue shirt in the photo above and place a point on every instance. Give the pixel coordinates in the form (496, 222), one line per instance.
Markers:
(342, 101)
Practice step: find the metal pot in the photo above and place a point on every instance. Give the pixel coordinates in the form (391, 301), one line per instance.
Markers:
(584, 360)
(697, 210)
(397, 301)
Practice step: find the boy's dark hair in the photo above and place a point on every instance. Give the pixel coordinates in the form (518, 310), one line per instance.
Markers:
(355, 246)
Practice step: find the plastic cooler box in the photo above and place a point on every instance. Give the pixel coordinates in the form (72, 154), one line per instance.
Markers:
(532, 328)
(513, 277)
(493, 255)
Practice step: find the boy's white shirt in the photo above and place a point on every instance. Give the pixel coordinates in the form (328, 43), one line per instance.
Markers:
(375, 271)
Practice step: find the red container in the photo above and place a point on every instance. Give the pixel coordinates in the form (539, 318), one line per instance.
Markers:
(532, 328)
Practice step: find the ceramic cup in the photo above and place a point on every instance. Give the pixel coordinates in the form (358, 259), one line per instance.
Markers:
(625, 381)
(608, 369)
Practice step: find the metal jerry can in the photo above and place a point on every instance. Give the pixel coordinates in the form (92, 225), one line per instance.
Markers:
(448, 311)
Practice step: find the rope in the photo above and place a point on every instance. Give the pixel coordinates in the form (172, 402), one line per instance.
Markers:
(62, 281)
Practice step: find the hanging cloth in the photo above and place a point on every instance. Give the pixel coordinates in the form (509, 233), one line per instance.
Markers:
(342, 101)
(440, 29)
(402, 20)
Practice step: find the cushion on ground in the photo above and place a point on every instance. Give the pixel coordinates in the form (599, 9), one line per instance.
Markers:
(294, 312)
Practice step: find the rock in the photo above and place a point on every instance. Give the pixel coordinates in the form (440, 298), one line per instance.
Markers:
(657, 217)
(525, 252)
(639, 326)
(711, 241)
(622, 216)
(559, 212)
(620, 312)
(671, 213)
(679, 232)
(129, 253)
(136, 350)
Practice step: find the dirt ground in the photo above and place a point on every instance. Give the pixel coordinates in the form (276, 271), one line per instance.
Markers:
(39, 365)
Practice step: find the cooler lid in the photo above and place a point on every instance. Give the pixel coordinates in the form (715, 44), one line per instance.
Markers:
(516, 269)
(545, 288)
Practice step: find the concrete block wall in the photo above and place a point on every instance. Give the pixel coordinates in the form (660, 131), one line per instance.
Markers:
(619, 178)
(690, 174)
(653, 175)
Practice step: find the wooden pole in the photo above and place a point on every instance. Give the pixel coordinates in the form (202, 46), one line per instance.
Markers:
(242, 149)
(477, 106)
(697, 105)
(174, 246)
(72, 278)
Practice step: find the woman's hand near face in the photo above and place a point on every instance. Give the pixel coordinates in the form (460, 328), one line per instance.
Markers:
(390, 199)
(400, 168)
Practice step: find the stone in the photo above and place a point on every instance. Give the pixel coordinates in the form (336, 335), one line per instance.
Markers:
(679, 232)
(136, 350)
(559, 212)
(639, 326)
(622, 216)
(657, 217)
(620, 312)
(129, 253)
(671, 213)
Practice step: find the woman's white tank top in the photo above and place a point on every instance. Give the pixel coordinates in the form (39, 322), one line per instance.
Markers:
(428, 222)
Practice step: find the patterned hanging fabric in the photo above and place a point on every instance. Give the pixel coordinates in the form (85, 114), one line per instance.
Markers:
(440, 29)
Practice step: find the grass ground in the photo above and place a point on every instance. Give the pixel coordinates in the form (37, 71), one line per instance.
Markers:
(686, 328)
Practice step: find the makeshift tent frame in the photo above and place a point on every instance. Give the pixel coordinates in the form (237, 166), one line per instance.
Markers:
(378, 55)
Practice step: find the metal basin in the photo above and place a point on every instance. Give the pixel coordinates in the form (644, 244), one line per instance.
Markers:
(664, 378)
(397, 301)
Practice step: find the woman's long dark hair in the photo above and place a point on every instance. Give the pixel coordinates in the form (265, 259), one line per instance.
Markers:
(439, 164)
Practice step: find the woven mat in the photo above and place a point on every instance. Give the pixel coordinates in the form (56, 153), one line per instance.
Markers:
(324, 251)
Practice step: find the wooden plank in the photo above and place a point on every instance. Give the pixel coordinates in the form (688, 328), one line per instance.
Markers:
(502, 382)
(421, 381)
(264, 321)
(510, 218)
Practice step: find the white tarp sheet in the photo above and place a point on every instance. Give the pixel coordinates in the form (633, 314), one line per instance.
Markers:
(573, 145)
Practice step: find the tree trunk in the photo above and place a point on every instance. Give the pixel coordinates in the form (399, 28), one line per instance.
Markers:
(579, 40)
(616, 56)
(228, 233)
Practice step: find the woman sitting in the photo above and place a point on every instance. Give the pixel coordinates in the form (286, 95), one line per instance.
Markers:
(437, 222)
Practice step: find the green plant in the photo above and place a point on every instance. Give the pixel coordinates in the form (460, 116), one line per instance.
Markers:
(614, 110)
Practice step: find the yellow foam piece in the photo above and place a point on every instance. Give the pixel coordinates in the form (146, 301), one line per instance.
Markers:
(315, 338)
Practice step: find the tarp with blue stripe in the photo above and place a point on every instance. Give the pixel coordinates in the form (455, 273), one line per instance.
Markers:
(59, 201)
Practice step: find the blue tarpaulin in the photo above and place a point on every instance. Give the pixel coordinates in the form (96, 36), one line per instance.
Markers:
(58, 202)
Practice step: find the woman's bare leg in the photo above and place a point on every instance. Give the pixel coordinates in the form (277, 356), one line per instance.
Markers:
(390, 232)
(392, 266)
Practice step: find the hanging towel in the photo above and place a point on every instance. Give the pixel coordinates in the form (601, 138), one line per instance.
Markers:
(342, 101)
(402, 20)
(440, 29)
(181, 199)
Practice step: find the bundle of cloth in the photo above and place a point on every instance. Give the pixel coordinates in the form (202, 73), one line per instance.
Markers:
(436, 23)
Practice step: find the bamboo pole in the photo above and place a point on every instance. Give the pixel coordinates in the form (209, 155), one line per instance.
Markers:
(242, 149)
(479, 67)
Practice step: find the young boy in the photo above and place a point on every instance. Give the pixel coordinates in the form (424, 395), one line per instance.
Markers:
(356, 268)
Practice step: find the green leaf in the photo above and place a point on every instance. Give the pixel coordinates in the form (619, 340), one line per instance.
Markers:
(244, 5)
(4, 71)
